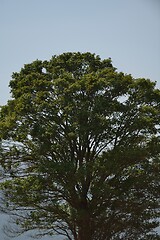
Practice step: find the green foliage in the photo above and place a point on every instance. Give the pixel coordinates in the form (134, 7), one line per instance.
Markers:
(80, 150)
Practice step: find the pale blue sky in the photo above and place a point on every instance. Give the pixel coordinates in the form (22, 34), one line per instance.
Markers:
(128, 31)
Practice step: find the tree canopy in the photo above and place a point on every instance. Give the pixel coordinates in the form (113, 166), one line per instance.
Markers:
(80, 150)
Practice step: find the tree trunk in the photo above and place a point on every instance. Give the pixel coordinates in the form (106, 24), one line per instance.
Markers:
(84, 226)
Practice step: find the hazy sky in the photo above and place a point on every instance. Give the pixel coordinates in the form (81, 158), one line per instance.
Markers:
(128, 31)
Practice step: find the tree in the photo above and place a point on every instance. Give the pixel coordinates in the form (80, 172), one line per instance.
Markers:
(80, 150)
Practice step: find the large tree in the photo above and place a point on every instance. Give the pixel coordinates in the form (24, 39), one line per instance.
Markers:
(80, 150)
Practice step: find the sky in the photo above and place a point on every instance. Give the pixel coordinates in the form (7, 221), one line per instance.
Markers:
(128, 31)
